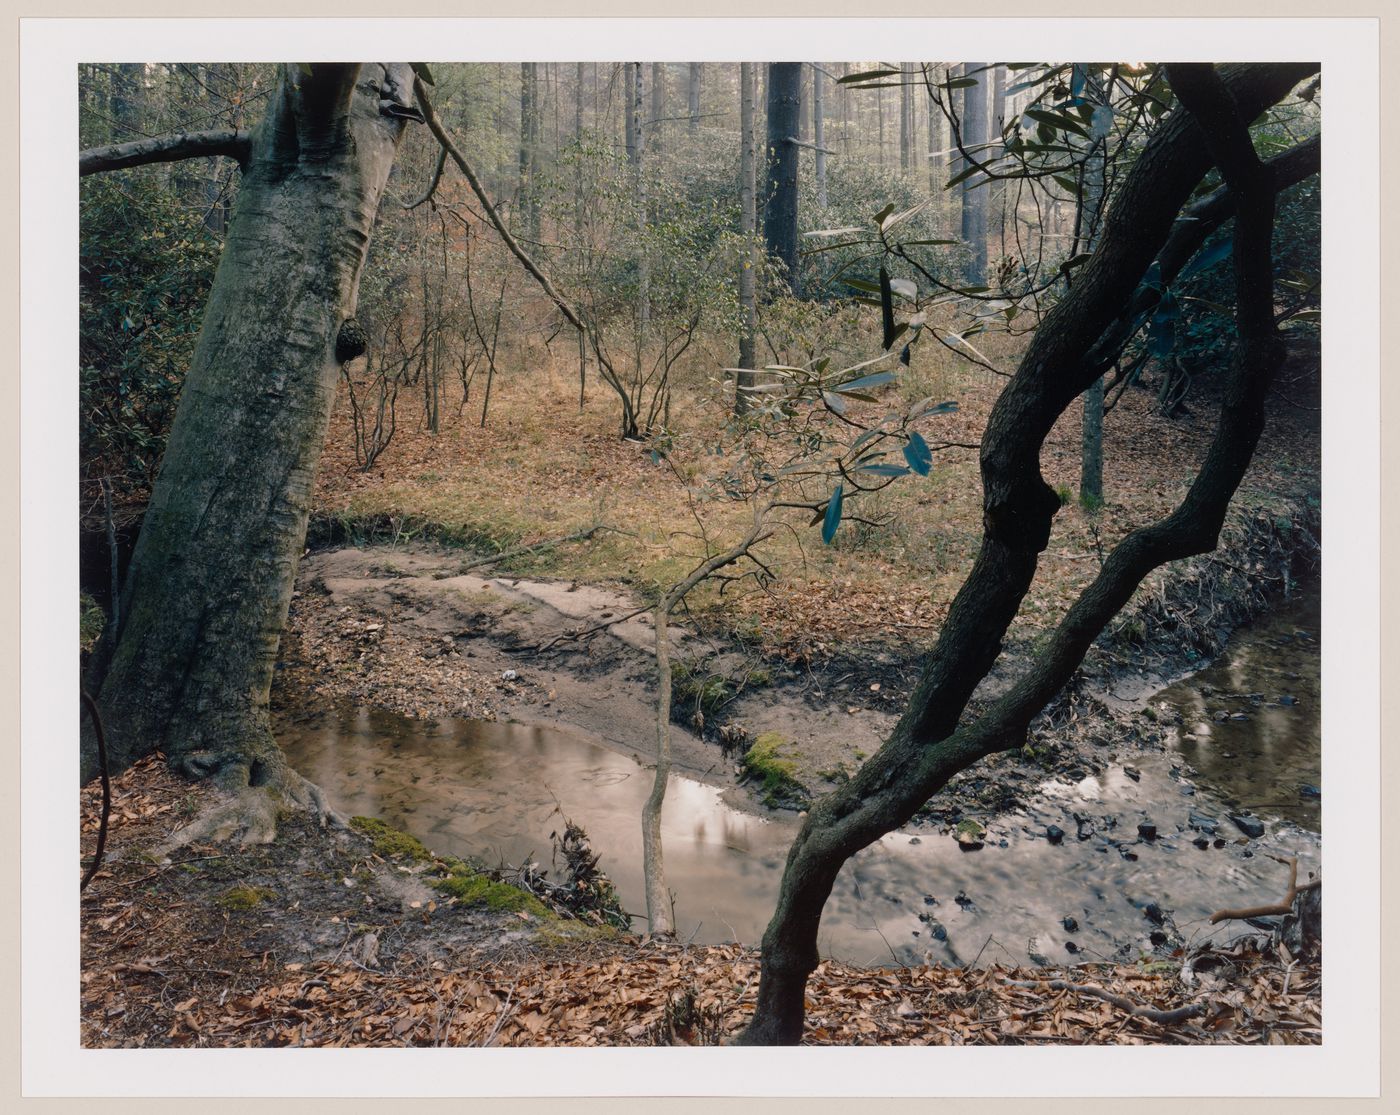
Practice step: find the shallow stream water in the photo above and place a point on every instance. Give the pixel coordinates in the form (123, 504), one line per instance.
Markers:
(496, 791)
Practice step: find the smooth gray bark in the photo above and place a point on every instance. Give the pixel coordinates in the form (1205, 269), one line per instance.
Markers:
(974, 195)
(819, 133)
(189, 668)
(693, 95)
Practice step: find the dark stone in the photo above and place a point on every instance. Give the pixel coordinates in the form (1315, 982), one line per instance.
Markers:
(1201, 823)
(1154, 913)
(1086, 828)
(1147, 830)
(964, 901)
(1157, 937)
(937, 930)
(1288, 700)
(1071, 947)
(1126, 854)
(1250, 826)
(1054, 833)
(1218, 842)
(929, 900)
(1307, 790)
(915, 840)
(1133, 773)
(1071, 925)
(1188, 791)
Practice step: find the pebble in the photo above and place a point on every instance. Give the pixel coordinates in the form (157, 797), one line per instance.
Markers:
(1250, 826)
(1308, 790)
(1201, 823)
(1071, 947)
(1070, 924)
(1154, 913)
(1201, 842)
(1147, 830)
(1054, 833)
(1157, 937)
(1133, 773)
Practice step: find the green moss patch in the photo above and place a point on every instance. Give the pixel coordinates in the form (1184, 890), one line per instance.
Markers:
(472, 889)
(238, 899)
(389, 842)
(767, 762)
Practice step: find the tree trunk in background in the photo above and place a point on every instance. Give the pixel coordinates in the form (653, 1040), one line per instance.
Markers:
(996, 132)
(780, 184)
(804, 106)
(629, 117)
(845, 112)
(906, 99)
(639, 137)
(189, 668)
(935, 144)
(529, 146)
(693, 96)
(748, 309)
(1091, 201)
(579, 201)
(658, 106)
(880, 122)
(974, 135)
(819, 133)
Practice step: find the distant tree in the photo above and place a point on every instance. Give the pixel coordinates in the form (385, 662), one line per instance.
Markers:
(780, 177)
(974, 197)
(749, 231)
(693, 96)
(934, 740)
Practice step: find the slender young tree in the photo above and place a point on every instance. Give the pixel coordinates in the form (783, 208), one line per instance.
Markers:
(748, 261)
(819, 133)
(974, 194)
(1093, 183)
(658, 107)
(693, 96)
(188, 669)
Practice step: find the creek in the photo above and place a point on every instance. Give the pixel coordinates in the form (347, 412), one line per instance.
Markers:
(1248, 742)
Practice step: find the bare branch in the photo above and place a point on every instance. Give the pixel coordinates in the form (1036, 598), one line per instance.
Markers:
(234, 143)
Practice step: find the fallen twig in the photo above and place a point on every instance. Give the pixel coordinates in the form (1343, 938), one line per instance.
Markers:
(1134, 1010)
(517, 551)
(1284, 907)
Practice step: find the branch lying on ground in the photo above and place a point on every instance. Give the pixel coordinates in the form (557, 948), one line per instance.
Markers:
(1284, 907)
(1165, 1017)
(167, 149)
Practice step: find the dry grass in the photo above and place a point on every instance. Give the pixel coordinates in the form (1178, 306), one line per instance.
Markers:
(543, 468)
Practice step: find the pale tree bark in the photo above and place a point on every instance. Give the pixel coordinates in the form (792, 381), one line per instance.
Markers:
(189, 668)
(933, 740)
(749, 227)
(693, 95)
(819, 133)
(974, 195)
(658, 107)
(935, 143)
(906, 100)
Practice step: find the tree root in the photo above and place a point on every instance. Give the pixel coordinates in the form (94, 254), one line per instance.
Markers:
(253, 798)
(1283, 907)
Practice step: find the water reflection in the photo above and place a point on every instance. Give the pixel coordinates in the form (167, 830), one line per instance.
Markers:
(496, 791)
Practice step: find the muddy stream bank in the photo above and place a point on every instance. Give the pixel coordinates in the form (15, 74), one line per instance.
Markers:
(1128, 860)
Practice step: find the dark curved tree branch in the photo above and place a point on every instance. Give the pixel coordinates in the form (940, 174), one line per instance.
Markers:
(931, 743)
(233, 142)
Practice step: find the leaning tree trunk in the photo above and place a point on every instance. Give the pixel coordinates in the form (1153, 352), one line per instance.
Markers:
(931, 742)
(189, 669)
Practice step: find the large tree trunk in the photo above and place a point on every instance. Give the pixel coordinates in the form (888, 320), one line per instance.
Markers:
(929, 744)
(780, 187)
(189, 669)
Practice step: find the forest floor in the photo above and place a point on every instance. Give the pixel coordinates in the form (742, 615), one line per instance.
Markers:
(341, 938)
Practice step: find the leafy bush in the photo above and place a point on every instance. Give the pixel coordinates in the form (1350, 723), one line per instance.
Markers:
(146, 263)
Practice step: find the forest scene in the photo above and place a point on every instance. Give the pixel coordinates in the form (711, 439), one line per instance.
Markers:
(655, 554)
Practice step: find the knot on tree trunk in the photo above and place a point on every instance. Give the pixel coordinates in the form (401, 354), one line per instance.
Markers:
(350, 342)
